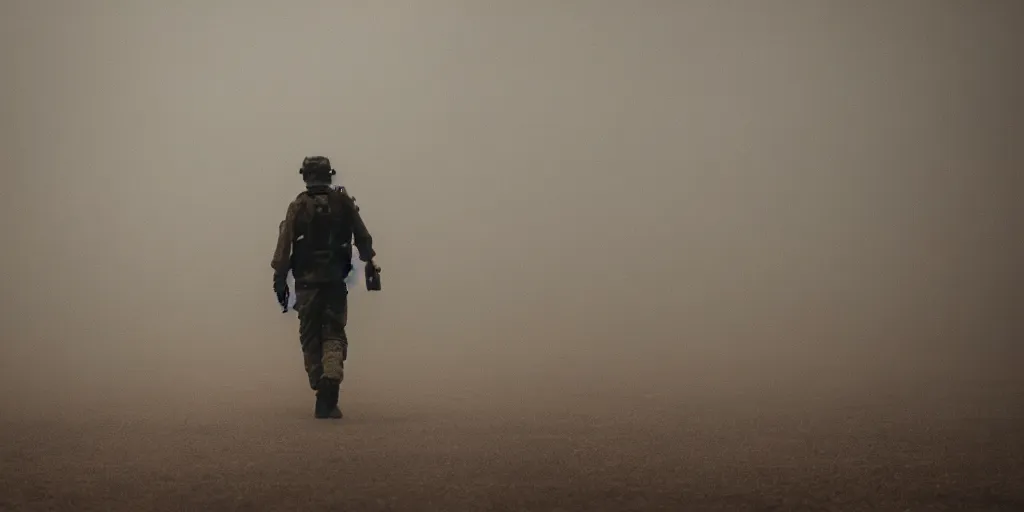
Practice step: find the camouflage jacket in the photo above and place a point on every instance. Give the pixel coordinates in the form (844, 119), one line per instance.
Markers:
(298, 210)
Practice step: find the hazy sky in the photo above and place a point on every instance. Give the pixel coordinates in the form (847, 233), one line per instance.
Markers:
(608, 185)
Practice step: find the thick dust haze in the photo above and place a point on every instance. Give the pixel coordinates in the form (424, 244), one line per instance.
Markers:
(705, 208)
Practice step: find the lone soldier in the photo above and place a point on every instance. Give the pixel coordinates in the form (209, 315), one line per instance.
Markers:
(315, 244)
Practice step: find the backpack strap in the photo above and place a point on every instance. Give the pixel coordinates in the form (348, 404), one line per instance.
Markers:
(336, 200)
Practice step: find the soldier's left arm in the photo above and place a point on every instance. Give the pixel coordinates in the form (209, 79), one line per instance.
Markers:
(360, 234)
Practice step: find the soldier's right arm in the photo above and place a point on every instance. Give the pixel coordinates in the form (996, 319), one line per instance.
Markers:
(281, 261)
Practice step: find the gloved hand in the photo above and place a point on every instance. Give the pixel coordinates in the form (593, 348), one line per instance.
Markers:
(282, 292)
(372, 276)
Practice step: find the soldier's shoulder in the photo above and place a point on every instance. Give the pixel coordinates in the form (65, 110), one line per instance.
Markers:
(344, 194)
(297, 204)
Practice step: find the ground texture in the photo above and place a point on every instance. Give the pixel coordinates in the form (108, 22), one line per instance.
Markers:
(592, 452)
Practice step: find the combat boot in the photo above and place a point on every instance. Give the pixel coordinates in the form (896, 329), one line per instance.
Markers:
(327, 392)
(320, 410)
(333, 411)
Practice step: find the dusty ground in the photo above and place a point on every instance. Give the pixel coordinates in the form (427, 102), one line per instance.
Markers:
(539, 448)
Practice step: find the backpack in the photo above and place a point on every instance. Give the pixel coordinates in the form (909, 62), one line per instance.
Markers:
(323, 237)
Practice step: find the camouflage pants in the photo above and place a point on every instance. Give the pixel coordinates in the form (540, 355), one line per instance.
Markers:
(323, 314)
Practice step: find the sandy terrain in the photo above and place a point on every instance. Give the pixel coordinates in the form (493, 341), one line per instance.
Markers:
(543, 448)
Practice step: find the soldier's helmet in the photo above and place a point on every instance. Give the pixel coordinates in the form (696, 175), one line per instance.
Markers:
(316, 168)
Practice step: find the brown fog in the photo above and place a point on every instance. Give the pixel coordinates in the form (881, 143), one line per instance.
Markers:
(598, 209)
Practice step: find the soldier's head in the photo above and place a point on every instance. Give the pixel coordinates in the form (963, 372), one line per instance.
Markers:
(316, 171)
